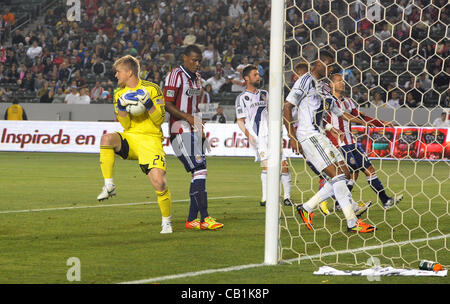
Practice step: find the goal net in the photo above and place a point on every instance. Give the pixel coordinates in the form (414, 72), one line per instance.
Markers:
(389, 53)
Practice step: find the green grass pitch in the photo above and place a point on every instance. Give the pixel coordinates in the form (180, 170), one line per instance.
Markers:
(49, 213)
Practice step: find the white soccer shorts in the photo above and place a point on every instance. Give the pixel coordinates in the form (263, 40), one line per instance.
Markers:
(319, 151)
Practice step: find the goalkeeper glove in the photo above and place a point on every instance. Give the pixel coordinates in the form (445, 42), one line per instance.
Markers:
(145, 99)
(148, 103)
(125, 100)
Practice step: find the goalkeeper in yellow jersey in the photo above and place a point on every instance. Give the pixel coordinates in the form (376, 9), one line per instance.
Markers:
(142, 136)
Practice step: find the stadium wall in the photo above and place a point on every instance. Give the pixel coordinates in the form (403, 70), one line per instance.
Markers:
(104, 112)
(225, 139)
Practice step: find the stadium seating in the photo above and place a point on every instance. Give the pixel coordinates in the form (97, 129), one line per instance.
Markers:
(362, 61)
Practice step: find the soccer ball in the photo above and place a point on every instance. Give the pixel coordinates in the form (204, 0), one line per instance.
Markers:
(140, 96)
(136, 109)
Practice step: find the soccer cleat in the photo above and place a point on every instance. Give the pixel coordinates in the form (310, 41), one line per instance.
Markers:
(107, 192)
(392, 201)
(210, 224)
(362, 208)
(195, 224)
(288, 202)
(166, 228)
(305, 216)
(262, 203)
(362, 227)
(323, 207)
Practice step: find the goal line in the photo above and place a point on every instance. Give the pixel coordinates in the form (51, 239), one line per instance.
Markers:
(250, 266)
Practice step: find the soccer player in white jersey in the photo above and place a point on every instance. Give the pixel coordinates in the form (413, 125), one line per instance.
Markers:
(300, 69)
(251, 114)
(316, 147)
(356, 158)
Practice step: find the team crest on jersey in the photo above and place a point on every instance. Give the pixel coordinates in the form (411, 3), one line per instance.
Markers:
(159, 101)
(198, 158)
(326, 104)
(246, 97)
(332, 154)
(352, 161)
(262, 154)
(263, 96)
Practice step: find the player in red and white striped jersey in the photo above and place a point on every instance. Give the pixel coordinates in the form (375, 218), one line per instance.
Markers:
(356, 158)
(182, 94)
(183, 90)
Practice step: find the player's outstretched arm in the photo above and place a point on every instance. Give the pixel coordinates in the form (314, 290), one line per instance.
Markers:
(375, 122)
(349, 117)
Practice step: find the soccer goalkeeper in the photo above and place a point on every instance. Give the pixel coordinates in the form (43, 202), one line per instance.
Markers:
(142, 136)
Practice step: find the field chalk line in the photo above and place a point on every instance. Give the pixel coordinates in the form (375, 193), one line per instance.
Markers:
(109, 205)
(248, 266)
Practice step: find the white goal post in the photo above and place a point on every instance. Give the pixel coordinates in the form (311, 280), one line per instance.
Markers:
(384, 51)
(275, 132)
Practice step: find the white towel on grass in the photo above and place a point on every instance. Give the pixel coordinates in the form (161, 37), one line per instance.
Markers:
(380, 271)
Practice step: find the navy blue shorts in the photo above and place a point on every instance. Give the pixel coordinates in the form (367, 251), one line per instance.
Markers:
(188, 147)
(356, 158)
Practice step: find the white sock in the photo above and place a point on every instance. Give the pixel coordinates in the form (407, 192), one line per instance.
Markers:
(166, 219)
(263, 184)
(286, 181)
(109, 181)
(344, 199)
(350, 216)
(324, 193)
(355, 205)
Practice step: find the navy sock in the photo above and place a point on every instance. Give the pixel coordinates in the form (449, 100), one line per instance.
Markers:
(205, 203)
(377, 186)
(199, 200)
(193, 206)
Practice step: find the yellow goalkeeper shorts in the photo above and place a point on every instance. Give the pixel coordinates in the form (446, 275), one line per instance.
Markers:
(148, 150)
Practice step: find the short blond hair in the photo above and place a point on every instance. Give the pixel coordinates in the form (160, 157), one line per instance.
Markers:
(130, 62)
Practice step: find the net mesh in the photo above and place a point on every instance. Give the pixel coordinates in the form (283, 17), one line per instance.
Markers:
(389, 52)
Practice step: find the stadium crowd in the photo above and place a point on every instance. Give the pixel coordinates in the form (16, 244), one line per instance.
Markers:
(62, 61)
(409, 43)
